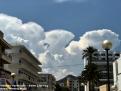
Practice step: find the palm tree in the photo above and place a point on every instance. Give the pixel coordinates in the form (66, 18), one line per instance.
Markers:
(58, 87)
(90, 72)
(91, 75)
(87, 53)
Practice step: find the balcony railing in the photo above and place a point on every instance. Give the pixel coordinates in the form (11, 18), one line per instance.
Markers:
(4, 73)
(7, 58)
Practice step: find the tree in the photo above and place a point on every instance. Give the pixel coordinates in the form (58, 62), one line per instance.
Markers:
(58, 87)
(87, 54)
(65, 89)
(90, 73)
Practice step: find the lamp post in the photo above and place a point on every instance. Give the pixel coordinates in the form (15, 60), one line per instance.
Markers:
(13, 75)
(107, 45)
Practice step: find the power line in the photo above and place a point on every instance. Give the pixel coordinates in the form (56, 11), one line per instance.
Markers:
(73, 65)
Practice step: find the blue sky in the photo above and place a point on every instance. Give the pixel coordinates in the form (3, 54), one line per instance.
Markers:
(77, 17)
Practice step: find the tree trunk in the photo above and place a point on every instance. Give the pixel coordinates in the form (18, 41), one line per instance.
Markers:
(92, 86)
(89, 86)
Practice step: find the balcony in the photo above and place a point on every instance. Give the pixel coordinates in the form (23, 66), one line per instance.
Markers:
(22, 77)
(106, 80)
(6, 58)
(4, 73)
(25, 78)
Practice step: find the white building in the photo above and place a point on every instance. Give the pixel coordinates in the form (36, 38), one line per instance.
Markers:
(117, 74)
(71, 82)
(25, 66)
(47, 82)
(4, 58)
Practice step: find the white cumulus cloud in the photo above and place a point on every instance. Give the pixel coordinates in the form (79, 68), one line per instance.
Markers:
(57, 40)
(17, 32)
(56, 49)
(96, 37)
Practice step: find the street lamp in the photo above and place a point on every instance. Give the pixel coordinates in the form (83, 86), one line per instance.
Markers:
(107, 45)
(13, 75)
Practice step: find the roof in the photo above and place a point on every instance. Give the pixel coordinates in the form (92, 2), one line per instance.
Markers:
(4, 43)
(68, 76)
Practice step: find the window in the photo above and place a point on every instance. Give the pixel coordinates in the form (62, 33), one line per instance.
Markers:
(29, 77)
(103, 58)
(2, 81)
(95, 54)
(19, 61)
(43, 79)
(20, 72)
(19, 82)
(20, 51)
(117, 54)
(109, 54)
(110, 59)
(103, 54)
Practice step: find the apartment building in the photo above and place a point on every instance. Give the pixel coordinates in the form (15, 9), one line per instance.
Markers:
(117, 75)
(47, 82)
(25, 66)
(101, 62)
(71, 82)
(4, 57)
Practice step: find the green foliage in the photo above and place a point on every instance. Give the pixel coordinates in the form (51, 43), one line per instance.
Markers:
(90, 73)
(59, 88)
(65, 89)
(87, 54)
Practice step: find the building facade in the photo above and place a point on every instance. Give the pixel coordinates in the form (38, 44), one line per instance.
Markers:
(4, 58)
(117, 75)
(101, 61)
(71, 82)
(25, 66)
(47, 82)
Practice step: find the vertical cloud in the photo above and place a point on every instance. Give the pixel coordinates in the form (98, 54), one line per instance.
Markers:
(96, 37)
(57, 40)
(54, 48)
(17, 32)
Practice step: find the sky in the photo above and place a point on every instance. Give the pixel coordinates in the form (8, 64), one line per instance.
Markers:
(77, 16)
(56, 31)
